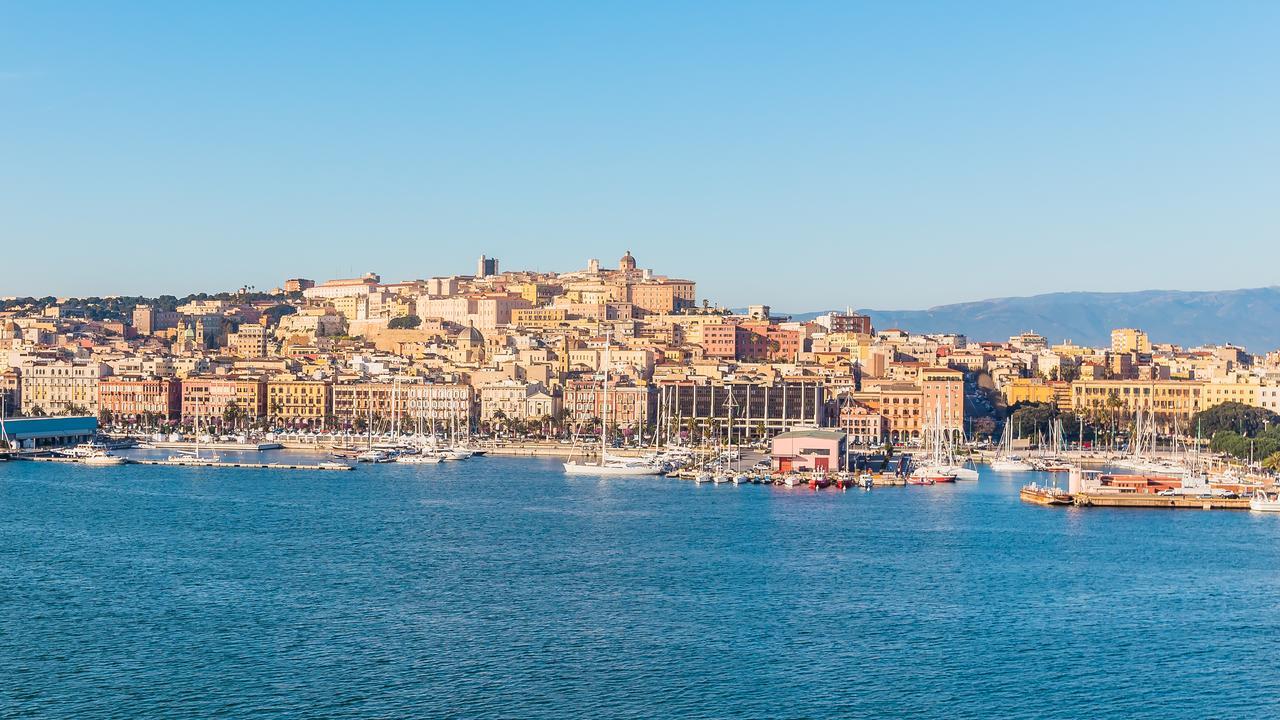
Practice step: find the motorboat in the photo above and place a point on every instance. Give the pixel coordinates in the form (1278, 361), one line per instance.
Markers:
(1264, 502)
(103, 459)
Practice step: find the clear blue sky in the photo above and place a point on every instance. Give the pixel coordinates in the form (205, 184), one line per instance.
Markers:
(805, 155)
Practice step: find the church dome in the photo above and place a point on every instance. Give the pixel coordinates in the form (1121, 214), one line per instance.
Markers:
(627, 262)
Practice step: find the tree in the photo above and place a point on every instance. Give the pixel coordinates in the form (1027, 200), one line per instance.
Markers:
(1272, 462)
(231, 414)
(407, 322)
(1236, 417)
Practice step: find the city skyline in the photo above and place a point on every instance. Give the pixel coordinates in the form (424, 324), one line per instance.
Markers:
(1052, 148)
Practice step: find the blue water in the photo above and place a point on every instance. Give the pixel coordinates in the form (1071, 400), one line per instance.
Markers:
(500, 587)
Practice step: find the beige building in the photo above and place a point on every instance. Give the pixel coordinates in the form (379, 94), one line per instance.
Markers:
(1169, 401)
(250, 341)
(1130, 340)
(60, 387)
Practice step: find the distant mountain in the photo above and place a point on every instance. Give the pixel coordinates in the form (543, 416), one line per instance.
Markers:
(1244, 317)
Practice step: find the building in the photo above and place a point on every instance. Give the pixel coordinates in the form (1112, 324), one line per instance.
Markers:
(140, 400)
(299, 403)
(1130, 340)
(486, 267)
(250, 341)
(1028, 390)
(863, 425)
(61, 387)
(628, 405)
(227, 402)
(662, 296)
(149, 321)
(757, 408)
(344, 287)
(49, 432)
(483, 311)
(10, 392)
(297, 285)
(850, 324)
(405, 405)
(1170, 401)
(511, 400)
(942, 397)
(808, 449)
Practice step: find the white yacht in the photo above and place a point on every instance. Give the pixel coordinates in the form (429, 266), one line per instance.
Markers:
(1262, 502)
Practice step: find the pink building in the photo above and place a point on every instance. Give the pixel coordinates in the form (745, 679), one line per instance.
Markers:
(812, 449)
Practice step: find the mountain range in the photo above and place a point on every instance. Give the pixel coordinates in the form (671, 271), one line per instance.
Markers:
(1250, 317)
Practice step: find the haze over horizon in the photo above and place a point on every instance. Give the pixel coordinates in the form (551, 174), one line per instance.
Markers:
(808, 157)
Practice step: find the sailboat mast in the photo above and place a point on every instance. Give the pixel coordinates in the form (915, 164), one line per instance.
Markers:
(604, 403)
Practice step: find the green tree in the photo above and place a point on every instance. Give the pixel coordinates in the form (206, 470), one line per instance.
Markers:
(408, 322)
(1236, 417)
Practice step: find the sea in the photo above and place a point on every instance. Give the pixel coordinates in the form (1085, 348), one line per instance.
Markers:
(502, 588)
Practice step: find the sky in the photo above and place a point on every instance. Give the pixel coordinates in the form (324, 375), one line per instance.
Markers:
(805, 155)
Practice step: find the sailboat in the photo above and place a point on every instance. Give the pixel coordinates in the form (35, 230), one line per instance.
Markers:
(935, 469)
(607, 465)
(193, 458)
(1005, 460)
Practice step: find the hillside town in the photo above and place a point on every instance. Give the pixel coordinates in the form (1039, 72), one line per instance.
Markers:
(515, 353)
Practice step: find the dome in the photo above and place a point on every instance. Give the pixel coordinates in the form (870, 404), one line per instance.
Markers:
(469, 336)
(627, 262)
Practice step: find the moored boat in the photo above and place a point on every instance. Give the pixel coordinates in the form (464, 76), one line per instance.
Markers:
(1264, 502)
(1043, 495)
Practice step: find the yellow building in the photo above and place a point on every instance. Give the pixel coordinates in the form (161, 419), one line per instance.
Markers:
(540, 317)
(1130, 340)
(1028, 390)
(1168, 400)
(299, 401)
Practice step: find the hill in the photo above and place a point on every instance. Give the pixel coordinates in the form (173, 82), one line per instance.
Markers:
(1250, 317)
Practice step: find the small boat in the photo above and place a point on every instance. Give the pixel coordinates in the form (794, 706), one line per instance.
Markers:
(1262, 502)
(722, 478)
(703, 477)
(867, 480)
(792, 481)
(741, 480)
(331, 465)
